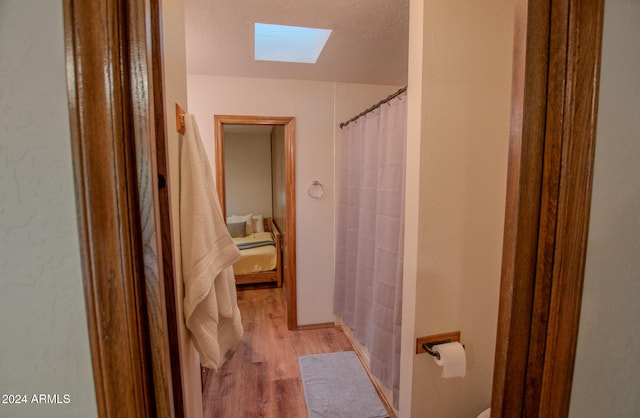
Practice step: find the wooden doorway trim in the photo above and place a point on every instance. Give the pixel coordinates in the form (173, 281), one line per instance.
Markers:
(112, 114)
(164, 207)
(554, 107)
(289, 256)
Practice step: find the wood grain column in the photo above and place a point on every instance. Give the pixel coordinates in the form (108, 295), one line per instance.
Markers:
(557, 48)
(112, 125)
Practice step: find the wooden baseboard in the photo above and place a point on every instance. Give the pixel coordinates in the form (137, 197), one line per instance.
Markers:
(316, 326)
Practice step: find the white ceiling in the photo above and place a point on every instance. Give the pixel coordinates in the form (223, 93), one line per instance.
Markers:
(369, 43)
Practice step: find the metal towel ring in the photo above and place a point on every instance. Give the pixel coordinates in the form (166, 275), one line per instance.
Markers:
(315, 189)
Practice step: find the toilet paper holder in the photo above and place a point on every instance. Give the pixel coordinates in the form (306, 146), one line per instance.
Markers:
(429, 348)
(425, 344)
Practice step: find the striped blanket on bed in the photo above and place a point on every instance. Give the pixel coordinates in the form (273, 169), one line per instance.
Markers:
(255, 244)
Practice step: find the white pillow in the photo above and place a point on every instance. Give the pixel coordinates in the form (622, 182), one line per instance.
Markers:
(243, 218)
(258, 223)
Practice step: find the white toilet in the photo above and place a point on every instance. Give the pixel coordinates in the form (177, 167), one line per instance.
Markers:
(485, 414)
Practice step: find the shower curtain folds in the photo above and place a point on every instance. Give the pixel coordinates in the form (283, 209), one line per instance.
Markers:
(370, 224)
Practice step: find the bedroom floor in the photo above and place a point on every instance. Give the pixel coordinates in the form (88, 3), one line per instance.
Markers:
(263, 378)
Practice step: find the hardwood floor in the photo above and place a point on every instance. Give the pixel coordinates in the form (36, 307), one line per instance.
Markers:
(263, 378)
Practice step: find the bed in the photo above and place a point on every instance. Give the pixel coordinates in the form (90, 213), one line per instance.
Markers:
(261, 259)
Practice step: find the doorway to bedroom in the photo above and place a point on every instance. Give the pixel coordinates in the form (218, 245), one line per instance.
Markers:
(255, 181)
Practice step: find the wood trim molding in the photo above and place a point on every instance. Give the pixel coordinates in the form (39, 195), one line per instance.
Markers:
(113, 141)
(219, 168)
(289, 261)
(555, 82)
(164, 206)
(528, 103)
(290, 253)
(583, 49)
(320, 325)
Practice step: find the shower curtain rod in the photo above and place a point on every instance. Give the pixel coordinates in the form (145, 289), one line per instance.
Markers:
(374, 107)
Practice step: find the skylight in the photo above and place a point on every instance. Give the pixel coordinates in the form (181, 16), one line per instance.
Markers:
(289, 43)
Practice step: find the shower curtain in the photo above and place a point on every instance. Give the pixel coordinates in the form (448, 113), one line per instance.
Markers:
(370, 224)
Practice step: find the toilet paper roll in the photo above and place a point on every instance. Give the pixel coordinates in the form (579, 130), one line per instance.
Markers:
(452, 358)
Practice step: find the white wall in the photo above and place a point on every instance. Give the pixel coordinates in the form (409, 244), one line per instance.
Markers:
(458, 137)
(175, 91)
(44, 346)
(247, 166)
(318, 108)
(415, 95)
(607, 369)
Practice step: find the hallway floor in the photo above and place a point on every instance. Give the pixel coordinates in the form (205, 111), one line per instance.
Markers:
(263, 378)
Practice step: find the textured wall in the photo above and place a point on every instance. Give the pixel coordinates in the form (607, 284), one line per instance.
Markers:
(607, 374)
(44, 345)
(220, 39)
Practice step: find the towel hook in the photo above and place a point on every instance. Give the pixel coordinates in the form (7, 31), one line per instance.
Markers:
(315, 189)
(180, 125)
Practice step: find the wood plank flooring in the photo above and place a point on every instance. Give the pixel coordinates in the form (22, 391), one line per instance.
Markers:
(263, 378)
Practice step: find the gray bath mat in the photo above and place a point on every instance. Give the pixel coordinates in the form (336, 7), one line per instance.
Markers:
(337, 386)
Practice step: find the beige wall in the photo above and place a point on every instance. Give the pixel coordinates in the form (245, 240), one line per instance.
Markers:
(44, 346)
(457, 155)
(314, 104)
(412, 204)
(247, 166)
(175, 76)
(607, 370)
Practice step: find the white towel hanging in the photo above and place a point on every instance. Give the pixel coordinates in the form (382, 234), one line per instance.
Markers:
(208, 253)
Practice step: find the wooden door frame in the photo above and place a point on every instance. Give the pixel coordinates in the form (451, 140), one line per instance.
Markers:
(557, 50)
(289, 123)
(112, 111)
(164, 203)
(114, 121)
